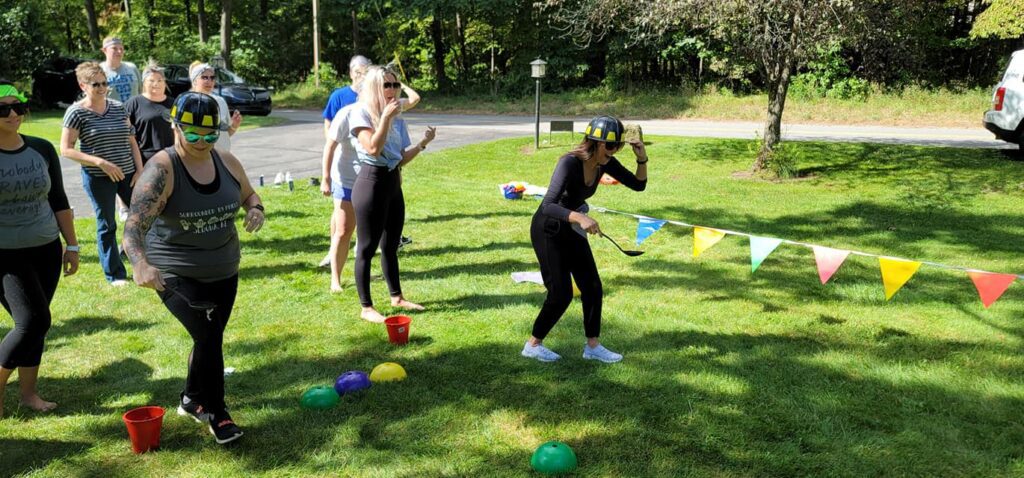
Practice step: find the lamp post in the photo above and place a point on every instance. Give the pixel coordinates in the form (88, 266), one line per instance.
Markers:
(537, 68)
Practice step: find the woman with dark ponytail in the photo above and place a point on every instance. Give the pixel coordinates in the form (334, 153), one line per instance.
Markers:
(559, 229)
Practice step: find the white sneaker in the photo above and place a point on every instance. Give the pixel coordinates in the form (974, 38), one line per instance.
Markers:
(539, 352)
(326, 261)
(123, 214)
(600, 353)
(119, 283)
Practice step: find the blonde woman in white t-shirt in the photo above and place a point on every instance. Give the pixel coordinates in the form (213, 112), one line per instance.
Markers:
(204, 78)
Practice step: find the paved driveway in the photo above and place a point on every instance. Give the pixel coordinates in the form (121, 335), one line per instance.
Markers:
(295, 146)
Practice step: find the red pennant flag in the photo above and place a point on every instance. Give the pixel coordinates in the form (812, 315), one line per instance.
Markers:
(991, 286)
(828, 261)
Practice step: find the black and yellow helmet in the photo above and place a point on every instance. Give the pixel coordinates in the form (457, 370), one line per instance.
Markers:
(196, 109)
(606, 129)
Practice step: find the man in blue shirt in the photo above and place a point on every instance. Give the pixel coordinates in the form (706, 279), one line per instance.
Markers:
(346, 95)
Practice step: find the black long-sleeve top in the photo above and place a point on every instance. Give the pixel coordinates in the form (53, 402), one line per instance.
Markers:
(568, 190)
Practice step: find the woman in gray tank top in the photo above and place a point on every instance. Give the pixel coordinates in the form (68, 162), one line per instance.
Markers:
(181, 239)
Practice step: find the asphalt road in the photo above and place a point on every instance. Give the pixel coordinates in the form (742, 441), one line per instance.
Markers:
(295, 146)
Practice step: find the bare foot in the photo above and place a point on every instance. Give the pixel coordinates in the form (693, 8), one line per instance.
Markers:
(371, 314)
(36, 403)
(404, 304)
(336, 288)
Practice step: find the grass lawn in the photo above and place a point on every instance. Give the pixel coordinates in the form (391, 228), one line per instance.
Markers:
(47, 124)
(725, 373)
(912, 107)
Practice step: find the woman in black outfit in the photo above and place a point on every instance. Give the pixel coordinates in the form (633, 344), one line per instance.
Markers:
(559, 240)
(34, 212)
(150, 113)
(182, 241)
(383, 147)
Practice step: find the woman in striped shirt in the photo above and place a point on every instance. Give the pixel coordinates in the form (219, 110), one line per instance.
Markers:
(109, 155)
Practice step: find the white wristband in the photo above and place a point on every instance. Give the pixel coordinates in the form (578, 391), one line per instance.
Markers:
(71, 248)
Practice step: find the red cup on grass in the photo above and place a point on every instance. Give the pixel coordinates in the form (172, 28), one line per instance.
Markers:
(144, 424)
(398, 329)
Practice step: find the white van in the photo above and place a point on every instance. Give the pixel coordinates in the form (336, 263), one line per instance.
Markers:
(1006, 118)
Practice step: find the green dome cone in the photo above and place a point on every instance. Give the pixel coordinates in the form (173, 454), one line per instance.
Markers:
(319, 397)
(553, 457)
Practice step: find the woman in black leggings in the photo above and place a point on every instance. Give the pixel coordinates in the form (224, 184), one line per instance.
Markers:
(383, 147)
(559, 240)
(181, 239)
(34, 211)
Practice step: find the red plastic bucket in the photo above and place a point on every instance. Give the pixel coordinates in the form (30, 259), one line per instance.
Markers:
(398, 329)
(144, 425)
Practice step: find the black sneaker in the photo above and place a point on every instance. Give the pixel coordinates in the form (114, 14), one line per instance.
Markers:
(194, 410)
(223, 428)
(403, 241)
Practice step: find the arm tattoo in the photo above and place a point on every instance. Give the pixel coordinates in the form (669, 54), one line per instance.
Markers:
(147, 204)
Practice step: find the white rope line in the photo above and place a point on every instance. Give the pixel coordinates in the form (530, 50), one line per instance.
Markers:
(795, 243)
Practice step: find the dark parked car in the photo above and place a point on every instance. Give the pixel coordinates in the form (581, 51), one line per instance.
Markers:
(55, 82)
(247, 99)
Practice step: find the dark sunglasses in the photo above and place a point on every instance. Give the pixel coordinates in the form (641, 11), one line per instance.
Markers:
(18, 108)
(211, 78)
(613, 145)
(99, 84)
(396, 85)
(191, 137)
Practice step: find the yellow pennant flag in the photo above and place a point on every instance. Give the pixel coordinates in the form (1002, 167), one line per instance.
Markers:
(704, 238)
(895, 273)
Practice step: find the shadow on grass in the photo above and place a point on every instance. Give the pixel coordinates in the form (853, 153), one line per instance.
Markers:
(462, 216)
(881, 228)
(88, 324)
(20, 455)
(681, 402)
(764, 407)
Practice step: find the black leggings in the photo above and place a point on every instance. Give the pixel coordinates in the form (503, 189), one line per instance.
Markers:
(380, 215)
(205, 381)
(28, 280)
(565, 255)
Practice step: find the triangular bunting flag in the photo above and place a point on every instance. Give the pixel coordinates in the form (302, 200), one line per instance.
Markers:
(895, 273)
(828, 261)
(646, 228)
(760, 247)
(704, 238)
(991, 286)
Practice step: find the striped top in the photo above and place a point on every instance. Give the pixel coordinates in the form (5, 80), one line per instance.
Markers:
(106, 135)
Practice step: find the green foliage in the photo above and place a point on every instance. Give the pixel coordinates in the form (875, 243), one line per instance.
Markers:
(22, 45)
(829, 76)
(328, 76)
(1003, 19)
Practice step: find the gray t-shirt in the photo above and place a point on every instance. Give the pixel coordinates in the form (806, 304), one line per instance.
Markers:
(397, 139)
(344, 165)
(31, 190)
(224, 142)
(124, 80)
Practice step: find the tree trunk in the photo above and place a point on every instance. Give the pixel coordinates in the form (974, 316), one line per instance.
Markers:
(264, 8)
(188, 12)
(149, 23)
(94, 29)
(201, 18)
(778, 86)
(460, 34)
(68, 34)
(128, 8)
(225, 32)
(355, 33)
(436, 35)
